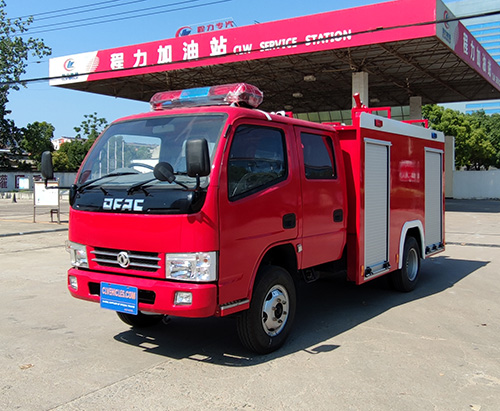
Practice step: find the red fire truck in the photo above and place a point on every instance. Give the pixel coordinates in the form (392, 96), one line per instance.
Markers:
(207, 206)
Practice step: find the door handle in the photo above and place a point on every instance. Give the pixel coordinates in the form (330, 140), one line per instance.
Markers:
(289, 221)
(338, 216)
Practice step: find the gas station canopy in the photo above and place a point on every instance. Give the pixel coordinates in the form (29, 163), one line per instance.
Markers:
(305, 64)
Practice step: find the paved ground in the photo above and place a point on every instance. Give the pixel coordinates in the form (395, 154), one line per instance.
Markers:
(17, 217)
(360, 348)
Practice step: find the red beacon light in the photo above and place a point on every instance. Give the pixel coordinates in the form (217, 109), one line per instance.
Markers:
(237, 94)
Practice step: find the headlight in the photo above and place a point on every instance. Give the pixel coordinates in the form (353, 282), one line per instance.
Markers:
(200, 267)
(78, 253)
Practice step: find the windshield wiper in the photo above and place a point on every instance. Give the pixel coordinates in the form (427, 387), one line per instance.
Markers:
(163, 172)
(140, 186)
(88, 183)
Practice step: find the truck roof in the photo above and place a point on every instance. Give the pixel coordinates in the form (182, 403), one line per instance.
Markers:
(233, 114)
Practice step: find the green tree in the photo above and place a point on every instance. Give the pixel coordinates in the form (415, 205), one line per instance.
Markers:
(60, 161)
(91, 127)
(473, 148)
(491, 124)
(9, 133)
(14, 54)
(71, 155)
(37, 139)
(480, 151)
(75, 153)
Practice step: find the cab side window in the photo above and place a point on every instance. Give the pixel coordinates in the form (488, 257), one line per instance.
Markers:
(319, 161)
(257, 160)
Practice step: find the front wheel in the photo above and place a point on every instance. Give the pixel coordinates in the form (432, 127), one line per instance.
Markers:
(264, 327)
(406, 279)
(140, 320)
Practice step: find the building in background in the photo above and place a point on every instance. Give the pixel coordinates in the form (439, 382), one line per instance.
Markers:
(487, 31)
(56, 142)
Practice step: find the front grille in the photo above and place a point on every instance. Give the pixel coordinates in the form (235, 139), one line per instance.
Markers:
(136, 260)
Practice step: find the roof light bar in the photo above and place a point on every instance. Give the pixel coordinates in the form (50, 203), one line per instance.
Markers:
(239, 94)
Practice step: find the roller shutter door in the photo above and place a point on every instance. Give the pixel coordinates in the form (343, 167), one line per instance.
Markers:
(376, 206)
(433, 200)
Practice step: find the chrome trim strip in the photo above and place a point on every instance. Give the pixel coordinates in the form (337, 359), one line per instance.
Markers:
(235, 304)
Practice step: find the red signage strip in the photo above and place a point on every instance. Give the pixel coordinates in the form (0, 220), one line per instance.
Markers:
(326, 31)
(462, 42)
(307, 34)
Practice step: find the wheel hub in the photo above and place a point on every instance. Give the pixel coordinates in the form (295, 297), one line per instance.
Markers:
(274, 310)
(412, 265)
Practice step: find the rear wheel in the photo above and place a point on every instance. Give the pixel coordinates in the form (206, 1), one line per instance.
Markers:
(264, 327)
(140, 320)
(406, 278)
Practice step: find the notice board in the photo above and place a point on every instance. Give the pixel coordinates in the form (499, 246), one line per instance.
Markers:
(46, 195)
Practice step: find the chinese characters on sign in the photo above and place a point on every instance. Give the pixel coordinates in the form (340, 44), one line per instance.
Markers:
(205, 28)
(478, 56)
(216, 46)
(164, 54)
(221, 42)
(191, 50)
(117, 61)
(216, 26)
(141, 58)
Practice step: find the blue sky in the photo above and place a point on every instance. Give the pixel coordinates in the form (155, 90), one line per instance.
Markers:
(65, 108)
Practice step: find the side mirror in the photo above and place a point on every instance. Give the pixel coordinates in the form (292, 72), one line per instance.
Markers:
(197, 158)
(46, 168)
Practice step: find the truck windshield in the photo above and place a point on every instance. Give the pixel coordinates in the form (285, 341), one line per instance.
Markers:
(128, 151)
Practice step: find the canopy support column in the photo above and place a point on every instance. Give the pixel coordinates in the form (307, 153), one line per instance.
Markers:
(416, 108)
(360, 85)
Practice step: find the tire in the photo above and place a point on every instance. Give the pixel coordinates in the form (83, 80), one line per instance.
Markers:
(406, 278)
(264, 327)
(140, 320)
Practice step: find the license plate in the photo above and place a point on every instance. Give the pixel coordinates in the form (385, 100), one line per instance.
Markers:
(121, 298)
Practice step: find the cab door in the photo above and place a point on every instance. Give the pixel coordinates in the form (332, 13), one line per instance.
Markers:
(258, 202)
(324, 204)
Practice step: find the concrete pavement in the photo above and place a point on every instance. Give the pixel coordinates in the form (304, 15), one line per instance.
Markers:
(352, 348)
(473, 222)
(16, 218)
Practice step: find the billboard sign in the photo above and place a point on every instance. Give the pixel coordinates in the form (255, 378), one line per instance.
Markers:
(360, 26)
(462, 42)
(325, 31)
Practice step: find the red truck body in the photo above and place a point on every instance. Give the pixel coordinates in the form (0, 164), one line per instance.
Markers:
(284, 194)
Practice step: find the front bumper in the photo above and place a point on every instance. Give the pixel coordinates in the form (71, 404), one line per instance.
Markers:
(155, 296)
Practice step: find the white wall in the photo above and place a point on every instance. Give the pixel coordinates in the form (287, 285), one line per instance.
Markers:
(449, 165)
(476, 184)
(8, 179)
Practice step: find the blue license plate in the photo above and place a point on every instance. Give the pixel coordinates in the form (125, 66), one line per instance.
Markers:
(121, 298)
